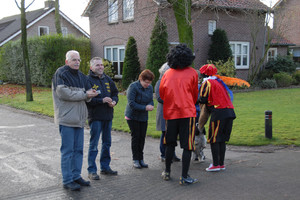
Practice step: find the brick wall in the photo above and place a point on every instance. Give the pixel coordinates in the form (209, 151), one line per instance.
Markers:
(238, 27)
(287, 20)
(104, 34)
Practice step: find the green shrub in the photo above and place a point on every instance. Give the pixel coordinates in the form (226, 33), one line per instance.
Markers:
(158, 48)
(131, 65)
(119, 85)
(265, 74)
(283, 79)
(224, 68)
(268, 83)
(296, 76)
(281, 64)
(108, 68)
(220, 47)
(46, 54)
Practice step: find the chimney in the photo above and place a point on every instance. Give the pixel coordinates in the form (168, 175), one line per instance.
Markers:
(49, 4)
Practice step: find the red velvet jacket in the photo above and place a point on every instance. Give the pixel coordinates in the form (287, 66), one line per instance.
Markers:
(214, 94)
(179, 91)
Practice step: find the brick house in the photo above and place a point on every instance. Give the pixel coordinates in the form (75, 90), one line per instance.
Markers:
(39, 22)
(113, 21)
(287, 23)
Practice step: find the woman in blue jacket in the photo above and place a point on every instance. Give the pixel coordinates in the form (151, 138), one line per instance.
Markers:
(139, 102)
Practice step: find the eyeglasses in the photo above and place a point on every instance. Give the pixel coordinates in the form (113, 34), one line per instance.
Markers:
(74, 60)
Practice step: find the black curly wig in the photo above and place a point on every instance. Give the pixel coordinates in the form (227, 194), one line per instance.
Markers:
(180, 57)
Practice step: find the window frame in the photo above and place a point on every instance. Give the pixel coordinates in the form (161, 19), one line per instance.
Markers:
(272, 57)
(247, 44)
(112, 11)
(44, 27)
(213, 24)
(119, 47)
(128, 12)
(64, 31)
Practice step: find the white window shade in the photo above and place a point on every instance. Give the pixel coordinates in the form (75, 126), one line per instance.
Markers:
(112, 11)
(212, 25)
(128, 9)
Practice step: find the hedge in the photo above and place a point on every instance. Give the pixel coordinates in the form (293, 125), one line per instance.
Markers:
(46, 54)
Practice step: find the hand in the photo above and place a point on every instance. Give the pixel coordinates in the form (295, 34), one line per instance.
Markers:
(91, 93)
(149, 107)
(107, 100)
(112, 104)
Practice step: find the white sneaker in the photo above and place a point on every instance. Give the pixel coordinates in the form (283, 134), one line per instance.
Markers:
(222, 167)
(213, 168)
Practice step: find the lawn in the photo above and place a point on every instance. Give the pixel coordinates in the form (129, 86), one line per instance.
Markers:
(248, 127)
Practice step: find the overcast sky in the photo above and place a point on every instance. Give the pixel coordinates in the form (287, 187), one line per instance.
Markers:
(72, 8)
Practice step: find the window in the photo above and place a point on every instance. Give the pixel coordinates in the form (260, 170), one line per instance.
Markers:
(240, 53)
(128, 9)
(64, 31)
(116, 55)
(112, 11)
(43, 30)
(212, 24)
(272, 54)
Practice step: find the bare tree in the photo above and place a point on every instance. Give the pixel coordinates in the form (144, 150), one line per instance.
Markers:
(259, 22)
(57, 18)
(182, 12)
(29, 96)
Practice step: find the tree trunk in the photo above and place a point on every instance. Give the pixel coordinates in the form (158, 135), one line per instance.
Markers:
(57, 18)
(182, 12)
(29, 96)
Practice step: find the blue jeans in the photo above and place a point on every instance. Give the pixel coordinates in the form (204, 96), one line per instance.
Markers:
(96, 128)
(71, 152)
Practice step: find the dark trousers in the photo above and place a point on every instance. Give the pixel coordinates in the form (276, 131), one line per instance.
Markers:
(218, 153)
(138, 134)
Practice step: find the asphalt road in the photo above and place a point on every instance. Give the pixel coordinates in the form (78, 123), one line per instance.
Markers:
(30, 168)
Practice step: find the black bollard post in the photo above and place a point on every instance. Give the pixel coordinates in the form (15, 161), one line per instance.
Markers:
(268, 124)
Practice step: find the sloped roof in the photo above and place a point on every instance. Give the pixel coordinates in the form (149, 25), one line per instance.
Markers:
(278, 40)
(10, 27)
(88, 8)
(281, 42)
(232, 4)
(277, 4)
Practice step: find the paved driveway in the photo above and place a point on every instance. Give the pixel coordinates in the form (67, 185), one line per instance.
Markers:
(30, 168)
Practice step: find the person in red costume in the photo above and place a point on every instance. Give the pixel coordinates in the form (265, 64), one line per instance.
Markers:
(179, 91)
(218, 98)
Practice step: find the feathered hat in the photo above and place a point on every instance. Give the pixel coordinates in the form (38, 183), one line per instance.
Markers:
(208, 69)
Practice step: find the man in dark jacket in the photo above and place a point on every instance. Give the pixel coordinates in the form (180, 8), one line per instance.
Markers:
(70, 91)
(100, 114)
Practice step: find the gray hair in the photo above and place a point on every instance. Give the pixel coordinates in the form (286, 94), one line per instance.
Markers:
(92, 61)
(163, 68)
(69, 54)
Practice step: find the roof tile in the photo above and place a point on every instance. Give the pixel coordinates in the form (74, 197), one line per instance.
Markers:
(234, 4)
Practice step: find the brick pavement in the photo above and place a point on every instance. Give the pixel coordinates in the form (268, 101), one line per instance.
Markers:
(30, 168)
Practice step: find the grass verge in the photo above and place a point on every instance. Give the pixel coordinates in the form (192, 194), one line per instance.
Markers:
(248, 127)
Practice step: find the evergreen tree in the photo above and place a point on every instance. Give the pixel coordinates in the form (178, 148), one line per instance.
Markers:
(131, 65)
(158, 48)
(219, 48)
